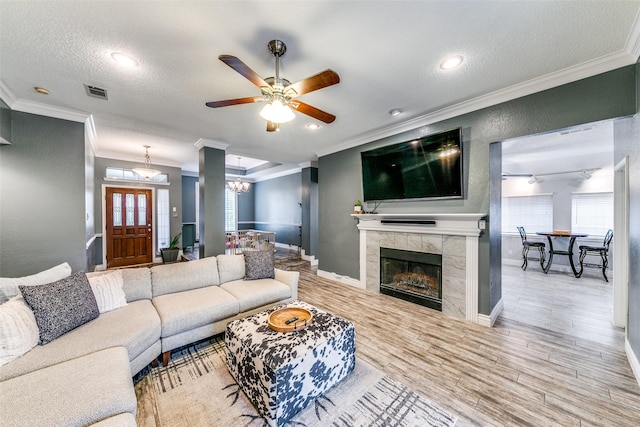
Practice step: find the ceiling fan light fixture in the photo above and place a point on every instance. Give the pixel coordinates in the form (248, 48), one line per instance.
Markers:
(277, 112)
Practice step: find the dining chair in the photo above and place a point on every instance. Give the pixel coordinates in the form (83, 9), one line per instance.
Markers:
(526, 245)
(596, 250)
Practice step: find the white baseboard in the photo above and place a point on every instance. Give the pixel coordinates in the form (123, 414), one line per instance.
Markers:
(489, 320)
(633, 360)
(311, 258)
(339, 278)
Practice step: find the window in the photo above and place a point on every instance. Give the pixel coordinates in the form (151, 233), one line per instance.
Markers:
(163, 229)
(592, 213)
(129, 175)
(534, 213)
(230, 210)
(197, 211)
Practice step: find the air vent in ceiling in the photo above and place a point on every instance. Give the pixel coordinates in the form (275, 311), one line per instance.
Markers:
(96, 92)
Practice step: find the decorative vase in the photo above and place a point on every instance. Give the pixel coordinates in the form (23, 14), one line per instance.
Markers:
(357, 210)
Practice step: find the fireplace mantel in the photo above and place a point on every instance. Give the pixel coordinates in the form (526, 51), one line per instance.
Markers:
(455, 236)
(453, 224)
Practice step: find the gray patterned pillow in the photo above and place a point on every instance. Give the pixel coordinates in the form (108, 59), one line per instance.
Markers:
(258, 265)
(61, 306)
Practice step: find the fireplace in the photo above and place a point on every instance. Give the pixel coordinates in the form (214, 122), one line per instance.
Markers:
(412, 276)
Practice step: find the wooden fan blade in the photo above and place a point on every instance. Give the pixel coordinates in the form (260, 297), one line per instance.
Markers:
(226, 103)
(318, 81)
(312, 111)
(243, 69)
(272, 127)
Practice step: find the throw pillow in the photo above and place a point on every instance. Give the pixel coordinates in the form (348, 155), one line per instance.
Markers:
(258, 265)
(18, 330)
(61, 306)
(107, 289)
(9, 285)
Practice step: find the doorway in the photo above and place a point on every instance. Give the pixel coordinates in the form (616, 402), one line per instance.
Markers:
(128, 226)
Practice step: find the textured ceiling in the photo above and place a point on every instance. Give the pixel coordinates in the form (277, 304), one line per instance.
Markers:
(387, 54)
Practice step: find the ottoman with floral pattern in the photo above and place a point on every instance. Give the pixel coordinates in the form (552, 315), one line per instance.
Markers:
(282, 372)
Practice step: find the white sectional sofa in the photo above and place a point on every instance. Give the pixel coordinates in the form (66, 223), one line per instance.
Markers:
(84, 376)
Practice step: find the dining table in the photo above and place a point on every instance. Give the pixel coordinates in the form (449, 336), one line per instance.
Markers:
(569, 252)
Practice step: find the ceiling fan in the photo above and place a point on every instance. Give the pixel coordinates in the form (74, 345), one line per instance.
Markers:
(279, 92)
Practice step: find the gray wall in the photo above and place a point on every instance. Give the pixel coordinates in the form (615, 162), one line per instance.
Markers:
(309, 200)
(601, 97)
(246, 209)
(627, 143)
(277, 207)
(42, 196)
(189, 199)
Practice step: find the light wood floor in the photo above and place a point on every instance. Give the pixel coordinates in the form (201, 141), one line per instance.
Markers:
(516, 373)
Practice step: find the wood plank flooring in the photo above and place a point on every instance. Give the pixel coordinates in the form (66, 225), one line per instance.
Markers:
(569, 371)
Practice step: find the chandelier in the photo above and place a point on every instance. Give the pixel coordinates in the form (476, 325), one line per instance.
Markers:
(146, 171)
(239, 186)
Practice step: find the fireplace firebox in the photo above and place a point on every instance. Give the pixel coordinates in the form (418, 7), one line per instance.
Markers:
(412, 276)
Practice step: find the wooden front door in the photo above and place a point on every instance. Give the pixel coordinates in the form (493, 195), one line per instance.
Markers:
(129, 228)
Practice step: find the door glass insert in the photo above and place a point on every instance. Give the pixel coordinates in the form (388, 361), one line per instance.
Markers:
(117, 209)
(130, 209)
(142, 209)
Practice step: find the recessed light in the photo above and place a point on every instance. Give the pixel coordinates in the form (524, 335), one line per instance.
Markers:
(124, 60)
(41, 90)
(313, 126)
(451, 62)
(395, 111)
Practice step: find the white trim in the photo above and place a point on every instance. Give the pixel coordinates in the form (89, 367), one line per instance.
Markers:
(310, 164)
(633, 41)
(277, 174)
(311, 258)
(633, 359)
(90, 132)
(471, 306)
(127, 181)
(92, 239)
(489, 320)
(6, 95)
(50, 111)
(4, 141)
(568, 75)
(339, 278)
(462, 224)
(210, 143)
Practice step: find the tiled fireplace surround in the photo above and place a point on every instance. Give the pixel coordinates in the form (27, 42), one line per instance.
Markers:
(454, 236)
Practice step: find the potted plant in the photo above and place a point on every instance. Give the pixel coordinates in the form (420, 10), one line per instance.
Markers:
(357, 207)
(170, 253)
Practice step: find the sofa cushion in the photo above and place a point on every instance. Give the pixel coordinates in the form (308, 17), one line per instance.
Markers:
(135, 326)
(230, 267)
(184, 276)
(19, 331)
(9, 285)
(61, 306)
(78, 392)
(256, 293)
(136, 282)
(183, 311)
(107, 289)
(258, 265)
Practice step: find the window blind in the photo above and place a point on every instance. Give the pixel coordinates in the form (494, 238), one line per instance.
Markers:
(534, 213)
(592, 213)
(230, 210)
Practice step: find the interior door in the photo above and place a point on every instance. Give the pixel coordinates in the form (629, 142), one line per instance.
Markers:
(128, 226)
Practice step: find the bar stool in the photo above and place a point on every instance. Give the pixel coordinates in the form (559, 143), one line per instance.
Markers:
(526, 245)
(596, 250)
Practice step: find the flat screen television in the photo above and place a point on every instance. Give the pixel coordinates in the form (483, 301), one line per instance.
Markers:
(426, 168)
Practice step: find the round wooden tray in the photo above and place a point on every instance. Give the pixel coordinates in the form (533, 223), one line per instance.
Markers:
(298, 318)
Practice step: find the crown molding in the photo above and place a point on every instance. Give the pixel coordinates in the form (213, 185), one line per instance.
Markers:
(277, 174)
(6, 95)
(201, 143)
(633, 41)
(50, 111)
(310, 164)
(568, 75)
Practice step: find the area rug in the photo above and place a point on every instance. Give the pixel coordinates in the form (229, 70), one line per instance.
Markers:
(196, 389)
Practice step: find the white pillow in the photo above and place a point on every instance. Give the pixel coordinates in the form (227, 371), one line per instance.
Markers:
(108, 291)
(19, 331)
(9, 285)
